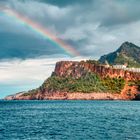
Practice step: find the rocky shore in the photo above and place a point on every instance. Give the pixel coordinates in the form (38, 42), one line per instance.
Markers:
(68, 96)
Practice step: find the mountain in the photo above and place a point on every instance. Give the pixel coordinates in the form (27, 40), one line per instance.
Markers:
(127, 53)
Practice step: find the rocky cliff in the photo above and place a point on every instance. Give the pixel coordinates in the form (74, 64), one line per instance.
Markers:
(71, 80)
(79, 69)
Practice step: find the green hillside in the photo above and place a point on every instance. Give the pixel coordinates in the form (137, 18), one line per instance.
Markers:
(86, 84)
(127, 53)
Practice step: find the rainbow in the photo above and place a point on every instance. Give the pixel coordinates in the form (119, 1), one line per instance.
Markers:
(39, 29)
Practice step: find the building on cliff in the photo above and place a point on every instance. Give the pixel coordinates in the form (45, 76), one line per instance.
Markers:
(119, 66)
(124, 67)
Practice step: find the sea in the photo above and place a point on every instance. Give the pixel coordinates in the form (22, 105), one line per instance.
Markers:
(69, 120)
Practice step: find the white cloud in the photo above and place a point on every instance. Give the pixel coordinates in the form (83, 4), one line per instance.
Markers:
(36, 9)
(42, 13)
(79, 31)
(30, 71)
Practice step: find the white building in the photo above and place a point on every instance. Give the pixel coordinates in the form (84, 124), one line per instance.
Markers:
(124, 67)
(119, 66)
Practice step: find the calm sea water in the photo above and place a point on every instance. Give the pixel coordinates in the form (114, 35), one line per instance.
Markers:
(72, 120)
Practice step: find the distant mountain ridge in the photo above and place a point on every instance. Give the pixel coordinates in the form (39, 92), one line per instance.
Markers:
(127, 53)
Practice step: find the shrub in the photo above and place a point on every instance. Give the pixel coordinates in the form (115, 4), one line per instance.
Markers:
(86, 84)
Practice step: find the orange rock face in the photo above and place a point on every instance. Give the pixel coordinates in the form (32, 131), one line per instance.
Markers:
(78, 69)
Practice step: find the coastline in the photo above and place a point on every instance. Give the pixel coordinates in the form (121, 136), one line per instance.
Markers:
(70, 96)
(121, 84)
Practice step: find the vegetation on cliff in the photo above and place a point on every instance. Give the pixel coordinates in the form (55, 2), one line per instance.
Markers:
(135, 83)
(89, 83)
(31, 92)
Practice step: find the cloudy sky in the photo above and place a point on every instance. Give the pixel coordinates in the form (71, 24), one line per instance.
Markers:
(91, 27)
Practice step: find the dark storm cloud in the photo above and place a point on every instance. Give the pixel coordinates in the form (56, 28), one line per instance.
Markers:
(21, 46)
(119, 12)
(67, 2)
(93, 27)
(110, 12)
